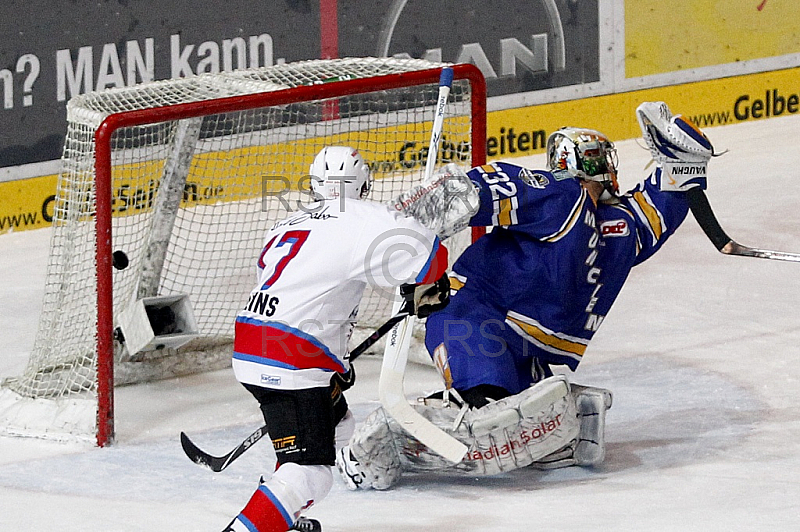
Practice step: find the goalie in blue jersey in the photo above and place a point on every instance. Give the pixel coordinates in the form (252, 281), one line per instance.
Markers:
(530, 295)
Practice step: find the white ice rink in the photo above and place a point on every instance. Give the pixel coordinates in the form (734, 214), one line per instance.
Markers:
(701, 351)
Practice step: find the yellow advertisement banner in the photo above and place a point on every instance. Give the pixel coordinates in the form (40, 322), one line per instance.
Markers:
(237, 174)
(511, 133)
(273, 169)
(524, 131)
(670, 36)
(27, 204)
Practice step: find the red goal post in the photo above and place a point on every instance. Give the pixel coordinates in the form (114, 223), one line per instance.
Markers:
(354, 105)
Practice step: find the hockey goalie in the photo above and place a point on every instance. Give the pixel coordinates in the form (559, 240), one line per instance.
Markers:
(528, 297)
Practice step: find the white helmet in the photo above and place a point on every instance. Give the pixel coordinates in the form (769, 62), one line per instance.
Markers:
(586, 154)
(340, 171)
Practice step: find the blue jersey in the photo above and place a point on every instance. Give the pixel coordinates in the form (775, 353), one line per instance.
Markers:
(539, 285)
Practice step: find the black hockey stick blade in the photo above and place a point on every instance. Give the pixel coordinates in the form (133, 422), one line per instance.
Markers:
(219, 463)
(701, 209)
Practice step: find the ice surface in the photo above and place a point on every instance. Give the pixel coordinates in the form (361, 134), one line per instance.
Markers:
(700, 351)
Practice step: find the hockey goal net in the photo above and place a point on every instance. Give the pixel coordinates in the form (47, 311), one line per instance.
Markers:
(181, 178)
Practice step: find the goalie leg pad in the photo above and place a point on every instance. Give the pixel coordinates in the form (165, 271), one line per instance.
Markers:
(373, 453)
(521, 429)
(592, 405)
(544, 425)
(589, 448)
(501, 436)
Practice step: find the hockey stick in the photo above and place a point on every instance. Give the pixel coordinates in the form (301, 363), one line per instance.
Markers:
(219, 463)
(701, 209)
(395, 356)
(390, 386)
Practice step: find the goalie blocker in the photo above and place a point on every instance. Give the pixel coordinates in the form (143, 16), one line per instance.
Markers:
(549, 425)
(444, 203)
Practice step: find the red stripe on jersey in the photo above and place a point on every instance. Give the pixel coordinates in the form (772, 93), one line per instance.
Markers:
(262, 342)
(438, 266)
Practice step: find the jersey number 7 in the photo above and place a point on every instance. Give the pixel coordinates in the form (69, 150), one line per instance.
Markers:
(289, 245)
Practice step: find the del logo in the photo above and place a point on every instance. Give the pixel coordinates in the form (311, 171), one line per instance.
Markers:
(534, 179)
(614, 228)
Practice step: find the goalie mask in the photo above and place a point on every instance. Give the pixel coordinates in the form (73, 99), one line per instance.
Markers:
(340, 171)
(586, 154)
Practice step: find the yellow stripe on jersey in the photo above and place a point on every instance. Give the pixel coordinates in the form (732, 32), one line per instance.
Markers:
(504, 216)
(560, 344)
(456, 283)
(571, 220)
(488, 168)
(651, 214)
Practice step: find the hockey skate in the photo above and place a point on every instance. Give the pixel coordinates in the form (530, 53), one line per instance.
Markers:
(348, 468)
(304, 524)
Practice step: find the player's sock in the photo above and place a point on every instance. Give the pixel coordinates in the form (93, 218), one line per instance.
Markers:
(263, 513)
(278, 501)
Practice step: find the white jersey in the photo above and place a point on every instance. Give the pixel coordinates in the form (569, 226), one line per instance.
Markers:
(294, 330)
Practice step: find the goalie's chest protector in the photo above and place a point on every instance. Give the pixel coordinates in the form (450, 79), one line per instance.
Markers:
(553, 270)
(294, 329)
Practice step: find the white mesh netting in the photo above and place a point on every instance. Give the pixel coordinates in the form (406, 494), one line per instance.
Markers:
(191, 200)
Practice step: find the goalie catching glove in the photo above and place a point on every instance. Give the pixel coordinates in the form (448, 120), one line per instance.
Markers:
(422, 300)
(677, 146)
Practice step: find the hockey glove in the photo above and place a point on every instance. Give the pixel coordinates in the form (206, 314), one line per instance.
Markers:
(423, 300)
(444, 203)
(677, 146)
(345, 381)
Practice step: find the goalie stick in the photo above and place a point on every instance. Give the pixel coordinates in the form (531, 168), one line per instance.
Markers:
(219, 463)
(395, 356)
(701, 209)
(390, 387)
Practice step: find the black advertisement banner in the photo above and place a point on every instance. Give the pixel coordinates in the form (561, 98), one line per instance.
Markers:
(52, 51)
(519, 45)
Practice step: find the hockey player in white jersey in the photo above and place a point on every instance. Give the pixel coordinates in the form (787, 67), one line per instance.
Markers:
(291, 341)
(529, 296)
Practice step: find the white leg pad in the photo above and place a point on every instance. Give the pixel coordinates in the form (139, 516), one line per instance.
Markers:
(504, 435)
(289, 491)
(550, 425)
(518, 430)
(298, 486)
(376, 453)
(589, 448)
(592, 405)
